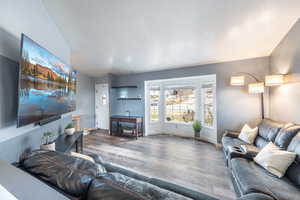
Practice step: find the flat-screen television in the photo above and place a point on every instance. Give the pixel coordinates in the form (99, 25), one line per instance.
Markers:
(47, 85)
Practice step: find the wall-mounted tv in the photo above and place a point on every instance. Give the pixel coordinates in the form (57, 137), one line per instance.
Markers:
(47, 86)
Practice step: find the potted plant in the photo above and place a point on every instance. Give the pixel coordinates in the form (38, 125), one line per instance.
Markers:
(48, 142)
(70, 129)
(197, 128)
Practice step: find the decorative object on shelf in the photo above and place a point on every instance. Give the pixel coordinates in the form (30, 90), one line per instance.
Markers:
(70, 129)
(275, 80)
(197, 126)
(253, 88)
(76, 122)
(48, 142)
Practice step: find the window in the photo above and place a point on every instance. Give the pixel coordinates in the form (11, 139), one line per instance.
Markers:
(208, 105)
(180, 105)
(154, 103)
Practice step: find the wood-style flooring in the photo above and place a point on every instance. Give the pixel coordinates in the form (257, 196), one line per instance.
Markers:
(187, 162)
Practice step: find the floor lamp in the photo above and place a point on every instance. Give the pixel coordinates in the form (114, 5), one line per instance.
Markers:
(258, 87)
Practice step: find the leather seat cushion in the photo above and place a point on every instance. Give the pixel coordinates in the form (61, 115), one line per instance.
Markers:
(103, 188)
(285, 136)
(294, 146)
(293, 172)
(71, 174)
(260, 142)
(251, 178)
(268, 129)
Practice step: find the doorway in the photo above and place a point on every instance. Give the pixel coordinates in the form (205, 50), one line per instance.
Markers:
(102, 106)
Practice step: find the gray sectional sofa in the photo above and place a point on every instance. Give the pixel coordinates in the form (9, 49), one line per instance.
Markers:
(79, 179)
(251, 181)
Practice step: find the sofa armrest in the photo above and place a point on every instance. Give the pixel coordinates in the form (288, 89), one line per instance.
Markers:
(157, 182)
(98, 159)
(256, 196)
(180, 190)
(250, 150)
(116, 169)
(230, 133)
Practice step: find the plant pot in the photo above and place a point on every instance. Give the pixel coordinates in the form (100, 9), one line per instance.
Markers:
(197, 134)
(49, 147)
(69, 131)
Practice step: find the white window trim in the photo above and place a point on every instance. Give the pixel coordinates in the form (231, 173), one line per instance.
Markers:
(215, 104)
(187, 81)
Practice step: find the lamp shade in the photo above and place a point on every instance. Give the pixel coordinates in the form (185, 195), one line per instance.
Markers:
(237, 80)
(255, 88)
(274, 80)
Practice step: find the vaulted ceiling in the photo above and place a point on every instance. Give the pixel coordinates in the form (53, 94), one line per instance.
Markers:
(131, 36)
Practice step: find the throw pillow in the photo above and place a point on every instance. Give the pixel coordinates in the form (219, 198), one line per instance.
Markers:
(274, 160)
(248, 134)
(79, 155)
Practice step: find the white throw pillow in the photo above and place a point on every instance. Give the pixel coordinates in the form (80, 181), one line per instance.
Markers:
(248, 134)
(79, 155)
(274, 160)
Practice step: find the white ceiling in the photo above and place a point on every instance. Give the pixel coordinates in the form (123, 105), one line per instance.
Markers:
(130, 36)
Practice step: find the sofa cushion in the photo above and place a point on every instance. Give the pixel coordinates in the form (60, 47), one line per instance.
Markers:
(285, 136)
(268, 129)
(251, 178)
(70, 174)
(105, 190)
(293, 172)
(260, 142)
(129, 186)
(154, 181)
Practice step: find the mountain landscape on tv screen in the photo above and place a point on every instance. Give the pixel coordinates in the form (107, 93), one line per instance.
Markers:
(47, 85)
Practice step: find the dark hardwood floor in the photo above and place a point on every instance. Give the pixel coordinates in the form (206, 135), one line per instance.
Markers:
(193, 164)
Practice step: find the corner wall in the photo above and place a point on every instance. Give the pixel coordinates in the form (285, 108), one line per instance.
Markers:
(285, 59)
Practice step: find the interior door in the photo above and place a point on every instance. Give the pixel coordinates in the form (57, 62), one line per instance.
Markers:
(102, 106)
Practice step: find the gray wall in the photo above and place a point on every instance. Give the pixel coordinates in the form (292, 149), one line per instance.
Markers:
(234, 105)
(14, 141)
(85, 100)
(285, 59)
(30, 17)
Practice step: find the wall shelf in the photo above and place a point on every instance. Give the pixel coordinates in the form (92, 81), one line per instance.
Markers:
(126, 86)
(132, 99)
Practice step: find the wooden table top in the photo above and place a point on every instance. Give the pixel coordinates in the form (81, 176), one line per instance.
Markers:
(125, 117)
(65, 142)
